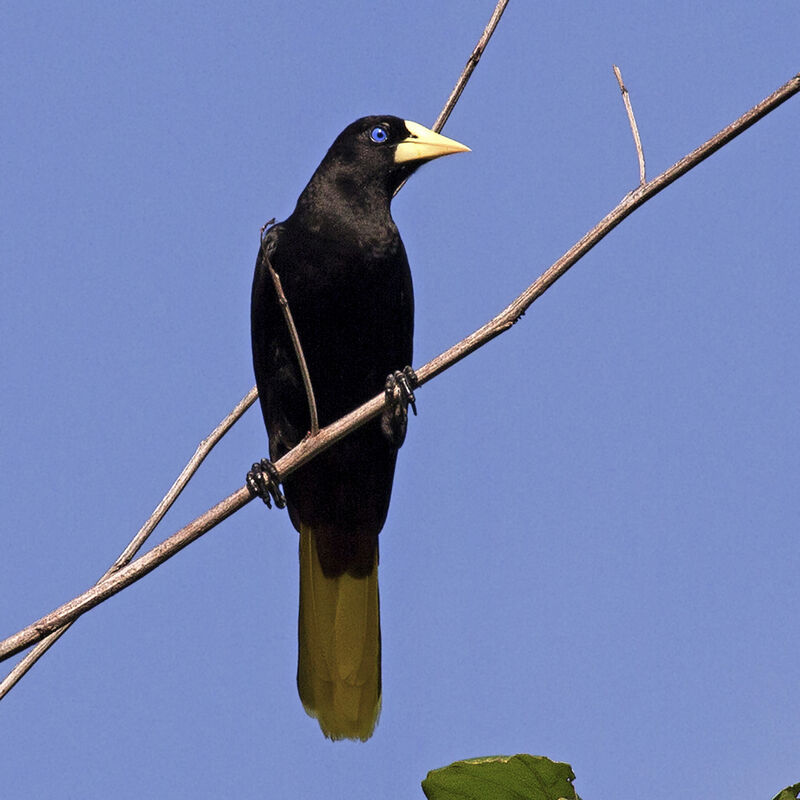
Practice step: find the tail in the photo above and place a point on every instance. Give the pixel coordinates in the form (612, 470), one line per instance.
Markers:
(339, 653)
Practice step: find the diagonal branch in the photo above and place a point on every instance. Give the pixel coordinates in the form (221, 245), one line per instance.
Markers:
(309, 448)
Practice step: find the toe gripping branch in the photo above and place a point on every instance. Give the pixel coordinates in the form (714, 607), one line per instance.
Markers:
(399, 393)
(400, 387)
(263, 481)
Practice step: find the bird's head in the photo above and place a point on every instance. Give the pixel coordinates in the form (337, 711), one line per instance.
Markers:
(385, 150)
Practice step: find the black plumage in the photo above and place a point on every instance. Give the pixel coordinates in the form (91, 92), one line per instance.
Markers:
(346, 277)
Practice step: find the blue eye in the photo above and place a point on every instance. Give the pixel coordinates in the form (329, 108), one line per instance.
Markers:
(379, 134)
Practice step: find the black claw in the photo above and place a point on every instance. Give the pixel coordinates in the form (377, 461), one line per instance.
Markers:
(409, 382)
(263, 481)
(400, 387)
(399, 393)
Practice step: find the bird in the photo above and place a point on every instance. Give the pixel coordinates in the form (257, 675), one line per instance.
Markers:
(345, 275)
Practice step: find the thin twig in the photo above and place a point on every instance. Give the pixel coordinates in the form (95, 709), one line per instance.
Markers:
(327, 436)
(466, 73)
(295, 337)
(472, 62)
(31, 658)
(626, 98)
(203, 449)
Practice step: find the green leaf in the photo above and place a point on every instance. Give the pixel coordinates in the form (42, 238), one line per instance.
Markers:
(520, 777)
(789, 793)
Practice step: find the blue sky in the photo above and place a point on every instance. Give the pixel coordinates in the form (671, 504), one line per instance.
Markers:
(593, 545)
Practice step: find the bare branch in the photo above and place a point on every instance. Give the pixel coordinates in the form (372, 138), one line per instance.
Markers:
(627, 206)
(309, 447)
(118, 580)
(472, 62)
(203, 449)
(626, 98)
(466, 73)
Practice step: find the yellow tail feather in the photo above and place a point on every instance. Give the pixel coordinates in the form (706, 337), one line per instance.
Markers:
(339, 654)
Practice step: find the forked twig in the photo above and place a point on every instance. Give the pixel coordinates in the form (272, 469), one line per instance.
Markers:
(327, 436)
(626, 98)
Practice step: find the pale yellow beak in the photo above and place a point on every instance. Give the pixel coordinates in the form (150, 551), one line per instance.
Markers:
(424, 144)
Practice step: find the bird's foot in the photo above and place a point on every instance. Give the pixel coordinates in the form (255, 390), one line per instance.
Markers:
(263, 481)
(399, 393)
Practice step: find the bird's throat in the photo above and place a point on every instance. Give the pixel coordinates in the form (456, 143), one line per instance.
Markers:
(347, 210)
